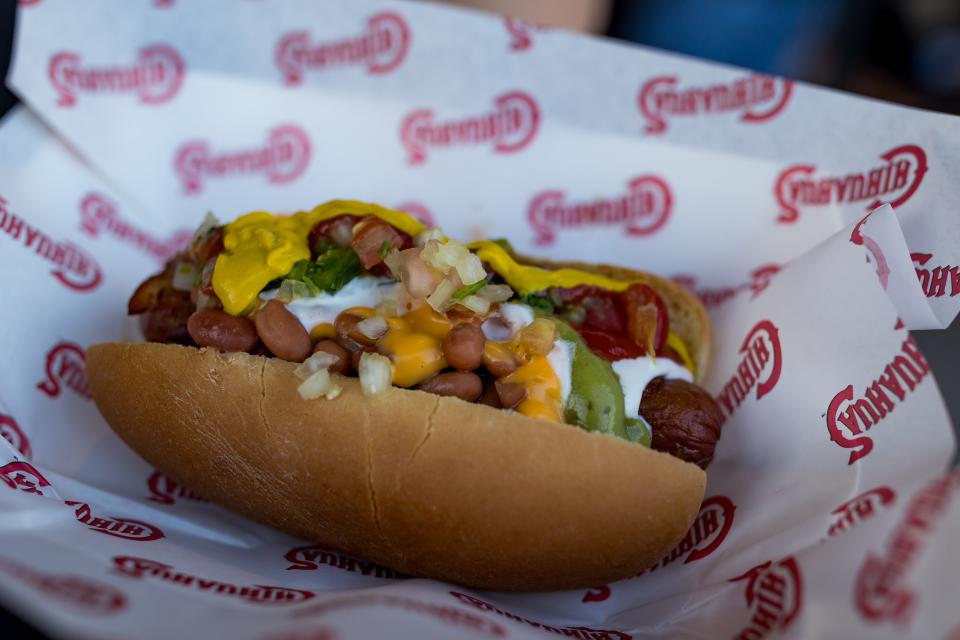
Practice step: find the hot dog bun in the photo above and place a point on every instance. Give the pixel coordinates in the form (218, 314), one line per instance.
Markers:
(430, 486)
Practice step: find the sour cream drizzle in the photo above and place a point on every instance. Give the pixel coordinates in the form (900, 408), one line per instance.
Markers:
(324, 308)
(635, 374)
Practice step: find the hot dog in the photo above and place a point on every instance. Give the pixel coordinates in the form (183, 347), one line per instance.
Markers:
(452, 411)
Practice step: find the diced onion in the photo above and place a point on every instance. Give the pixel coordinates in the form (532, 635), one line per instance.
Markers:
(427, 235)
(209, 223)
(342, 233)
(376, 373)
(476, 304)
(453, 254)
(317, 385)
(393, 262)
(206, 276)
(293, 289)
(184, 274)
(394, 301)
(319, 360)
(207, 302)
(470, 269)
(442, 297)
(496, 292)
(373, 327)
(431, 253)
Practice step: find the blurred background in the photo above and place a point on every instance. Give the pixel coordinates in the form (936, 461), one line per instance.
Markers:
(905, 51)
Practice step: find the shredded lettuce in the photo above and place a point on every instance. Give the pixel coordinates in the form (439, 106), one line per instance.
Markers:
(331, 271)
(539, 302)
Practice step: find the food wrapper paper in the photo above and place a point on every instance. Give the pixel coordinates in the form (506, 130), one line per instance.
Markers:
(829, 509)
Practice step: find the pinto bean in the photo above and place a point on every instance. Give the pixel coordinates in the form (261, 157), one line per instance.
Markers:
(490, 397)
(342, 365)
(349, 336)
(498, 359)
(282, 332)
(220, 330)
(463, 347)
(511, 394)
(461, 384)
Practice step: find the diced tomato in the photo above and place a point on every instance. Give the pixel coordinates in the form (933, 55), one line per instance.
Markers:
(368, 241)
(374, 238)
(619, 325)
(612, 346)
(604, 312)
(323, 228)
(210, 246)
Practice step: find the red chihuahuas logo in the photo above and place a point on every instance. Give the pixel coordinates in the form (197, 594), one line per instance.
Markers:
(882, 592)
(757, 98)
(894, 181)
(73, 267)
(283, 158)
(65, 365)
(774, 595)
(641, 211)
(860, 508)
(381, 49)
(73, 592)
(166, 490)
(98, 214)
(849, 417)
(116, 527)
(521, 33)
(759, 367)
(510, 127)
(155, 77)
(23, 476)
(143, 568)
(12, 433)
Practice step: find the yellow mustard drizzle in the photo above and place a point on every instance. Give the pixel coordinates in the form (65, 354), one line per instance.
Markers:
(674, 341)
(257, 248)
(526, 279)
(260, 247)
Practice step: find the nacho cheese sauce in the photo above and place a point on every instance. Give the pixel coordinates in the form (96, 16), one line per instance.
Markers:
(260, 247)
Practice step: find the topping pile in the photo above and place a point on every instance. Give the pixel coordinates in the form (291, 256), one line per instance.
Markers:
(355, 289)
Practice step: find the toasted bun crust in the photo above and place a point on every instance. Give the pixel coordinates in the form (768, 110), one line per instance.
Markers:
(428, 485)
